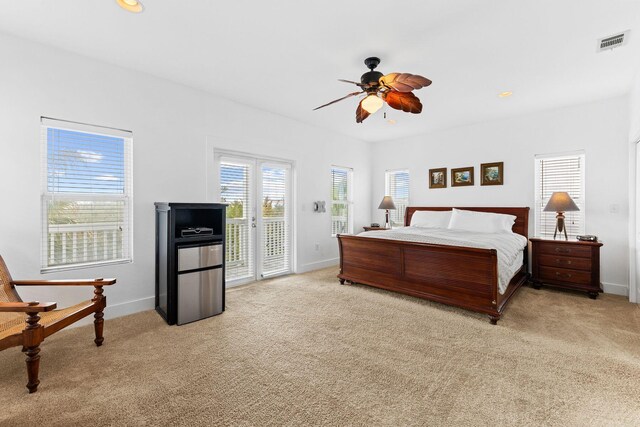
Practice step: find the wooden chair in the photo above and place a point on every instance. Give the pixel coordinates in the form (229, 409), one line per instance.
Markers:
(42, 319)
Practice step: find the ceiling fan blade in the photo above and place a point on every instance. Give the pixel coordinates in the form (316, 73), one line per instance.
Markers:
(339, 99)
(352, 82)
(404, 82)
(361, 113)
(405, 101)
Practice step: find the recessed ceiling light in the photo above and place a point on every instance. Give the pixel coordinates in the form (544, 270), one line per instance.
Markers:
(505, 94)
(134, 6)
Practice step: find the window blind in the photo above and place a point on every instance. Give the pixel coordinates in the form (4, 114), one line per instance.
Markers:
(276, 220)
(397, 186)
(236, 190)
(86, 195)
(560, 173)
(341, 204)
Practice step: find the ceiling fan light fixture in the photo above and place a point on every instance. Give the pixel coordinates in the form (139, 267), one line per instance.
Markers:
(134, 6)
(394, 89)
(372, 103)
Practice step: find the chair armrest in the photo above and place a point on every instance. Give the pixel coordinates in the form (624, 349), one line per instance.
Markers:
(26, 307)
(80, 282)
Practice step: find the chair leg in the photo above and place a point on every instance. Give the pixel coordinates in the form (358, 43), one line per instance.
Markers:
(98, 324)
(33, 336)
(33, 367)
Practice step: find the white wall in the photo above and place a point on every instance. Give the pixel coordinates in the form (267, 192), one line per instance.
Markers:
(599, 128)
(634, 185)
(634, 110)
(173, 127)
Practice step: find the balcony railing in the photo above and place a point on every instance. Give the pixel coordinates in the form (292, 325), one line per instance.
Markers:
(79, 243)
(274, 250)
(237, 241)
(339, 225)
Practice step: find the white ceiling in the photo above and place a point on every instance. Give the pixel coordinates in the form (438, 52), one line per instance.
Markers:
(284, 56)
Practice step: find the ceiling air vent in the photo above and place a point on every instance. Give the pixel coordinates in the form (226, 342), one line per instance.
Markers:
(613, 42)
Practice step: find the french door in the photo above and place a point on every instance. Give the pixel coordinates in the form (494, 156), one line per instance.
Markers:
(259, 212)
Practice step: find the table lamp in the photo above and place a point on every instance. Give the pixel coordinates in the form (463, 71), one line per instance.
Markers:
(386, 204)
(560, 202)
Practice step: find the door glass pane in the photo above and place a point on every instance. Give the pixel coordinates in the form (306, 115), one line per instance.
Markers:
(341, 221)
(236, 190)
(275, 233)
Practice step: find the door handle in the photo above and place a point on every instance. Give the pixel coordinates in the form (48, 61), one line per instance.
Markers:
(253, 225)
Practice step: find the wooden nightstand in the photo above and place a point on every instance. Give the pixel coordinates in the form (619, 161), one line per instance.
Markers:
(375, 228)
(566, 264)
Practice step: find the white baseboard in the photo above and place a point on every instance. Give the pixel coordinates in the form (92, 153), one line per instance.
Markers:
(616, 289)
(129, 307)
(122, 309)
(318, 265)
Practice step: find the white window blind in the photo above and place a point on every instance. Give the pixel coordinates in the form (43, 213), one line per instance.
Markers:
(559, 173)
(276, 219)
(341, 202)
(86, 195)
(397, 186)
(236, 190)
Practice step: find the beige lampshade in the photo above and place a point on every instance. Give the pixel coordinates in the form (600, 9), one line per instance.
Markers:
(560, 201)
(387, 203)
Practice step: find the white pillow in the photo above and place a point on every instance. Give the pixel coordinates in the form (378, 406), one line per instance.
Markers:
(485, 222)
(431, 219)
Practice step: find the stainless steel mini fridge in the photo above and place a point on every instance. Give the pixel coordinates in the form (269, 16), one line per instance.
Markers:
(190, 251)
(200, 285)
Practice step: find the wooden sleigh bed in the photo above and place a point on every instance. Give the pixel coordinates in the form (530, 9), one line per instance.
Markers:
(459, 276)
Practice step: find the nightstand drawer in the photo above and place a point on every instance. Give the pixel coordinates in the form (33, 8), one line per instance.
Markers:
(565, 275)
(552, 248)
(565, 262)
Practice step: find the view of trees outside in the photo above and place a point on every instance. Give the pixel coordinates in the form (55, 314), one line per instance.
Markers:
(85, 197)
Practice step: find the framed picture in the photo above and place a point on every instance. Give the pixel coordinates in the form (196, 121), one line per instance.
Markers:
(491, 173)
(461, 177)
(438, 178)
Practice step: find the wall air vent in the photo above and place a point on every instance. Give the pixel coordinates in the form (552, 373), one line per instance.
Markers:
(612, 42)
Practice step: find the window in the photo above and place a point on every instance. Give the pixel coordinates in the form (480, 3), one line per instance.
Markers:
(559, 173)
(341, 203)
(86, 195)
(397, 186)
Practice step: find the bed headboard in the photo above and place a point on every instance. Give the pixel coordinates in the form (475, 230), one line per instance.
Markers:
(521, 226)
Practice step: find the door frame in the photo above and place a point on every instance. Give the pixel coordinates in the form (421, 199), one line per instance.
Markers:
(213, 195)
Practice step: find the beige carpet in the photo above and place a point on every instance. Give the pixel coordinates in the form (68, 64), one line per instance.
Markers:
(304, 350)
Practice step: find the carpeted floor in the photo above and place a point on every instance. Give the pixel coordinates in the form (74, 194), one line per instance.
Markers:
(303, 350)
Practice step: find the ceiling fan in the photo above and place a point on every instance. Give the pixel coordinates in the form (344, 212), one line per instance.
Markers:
(394, 89)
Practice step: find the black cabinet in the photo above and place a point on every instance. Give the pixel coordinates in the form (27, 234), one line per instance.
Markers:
(190, 248)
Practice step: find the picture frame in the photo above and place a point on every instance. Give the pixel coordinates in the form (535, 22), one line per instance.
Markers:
(492, 173)
(438, 178)
(462, 177)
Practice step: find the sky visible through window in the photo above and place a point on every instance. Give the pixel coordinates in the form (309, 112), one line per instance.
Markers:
(80, 162)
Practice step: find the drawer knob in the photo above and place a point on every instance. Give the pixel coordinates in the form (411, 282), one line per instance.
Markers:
(559, 261)
(563, 251)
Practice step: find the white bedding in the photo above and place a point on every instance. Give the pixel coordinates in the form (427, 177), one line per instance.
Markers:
(509, 246)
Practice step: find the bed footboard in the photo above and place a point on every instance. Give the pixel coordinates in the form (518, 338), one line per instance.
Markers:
(458, 276)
